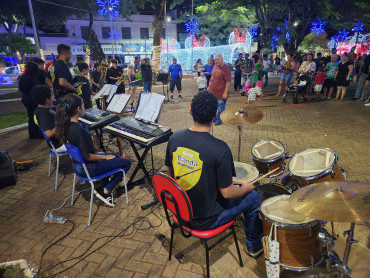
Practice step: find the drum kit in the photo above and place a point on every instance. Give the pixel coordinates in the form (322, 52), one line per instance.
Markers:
(301, 200)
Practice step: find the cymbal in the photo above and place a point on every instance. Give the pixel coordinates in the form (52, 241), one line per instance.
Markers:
(339, 201)
(248, 116)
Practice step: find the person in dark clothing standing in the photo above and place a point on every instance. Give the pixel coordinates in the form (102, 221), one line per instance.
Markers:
(41, 72)
(84, 90)
(114, 75)
(59, 74)
(26, 83)
(95, 80)
(238, 73)
(146, 72)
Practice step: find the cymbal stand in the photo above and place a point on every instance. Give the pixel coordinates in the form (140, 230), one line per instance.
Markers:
(331, 257)
(240, 140)
(349, 242)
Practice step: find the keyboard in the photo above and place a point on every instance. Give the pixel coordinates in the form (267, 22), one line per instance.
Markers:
(95, 118)
(138, 131)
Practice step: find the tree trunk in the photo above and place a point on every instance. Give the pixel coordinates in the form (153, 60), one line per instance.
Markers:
(88, 38)
(158, 23)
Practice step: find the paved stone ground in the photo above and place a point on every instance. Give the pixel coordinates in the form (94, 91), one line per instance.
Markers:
(142, 251)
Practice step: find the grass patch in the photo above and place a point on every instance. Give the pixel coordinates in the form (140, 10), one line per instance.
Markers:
(13, 119)
(12, 271)
(13, 95)
(9, 86)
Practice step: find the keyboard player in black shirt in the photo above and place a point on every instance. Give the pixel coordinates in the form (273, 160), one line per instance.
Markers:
(68, 130)
(59, 75)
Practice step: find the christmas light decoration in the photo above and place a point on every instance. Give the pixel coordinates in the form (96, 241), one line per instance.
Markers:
(358, 27)
(253, 30)
(318, 27)
(172, 45)
(192, 27)
(108, 7)
(114, 35)
(342, 35)
(202, 50)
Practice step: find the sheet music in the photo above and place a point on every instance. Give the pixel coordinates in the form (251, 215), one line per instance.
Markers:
(103, 91)
(112, 91)
(118, 103)
(149, 106)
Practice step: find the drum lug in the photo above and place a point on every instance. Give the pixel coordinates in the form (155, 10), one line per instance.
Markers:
(332, 174)
(312, 261)
(310, 230)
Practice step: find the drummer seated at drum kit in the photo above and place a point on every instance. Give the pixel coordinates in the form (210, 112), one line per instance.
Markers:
(203, 166)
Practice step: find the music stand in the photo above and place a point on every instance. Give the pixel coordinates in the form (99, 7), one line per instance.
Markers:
(118, 103)
(163, 77)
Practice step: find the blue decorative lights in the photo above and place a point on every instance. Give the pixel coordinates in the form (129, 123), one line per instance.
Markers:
(192, 27)
(253, 30)
(358, 27)
(114, 35)
(318, 27)
(342, 35)
(108, 7)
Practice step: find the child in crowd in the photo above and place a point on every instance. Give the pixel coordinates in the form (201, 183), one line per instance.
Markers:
(202, 82)
(44, 117)
(247, 86)
(83, 90)
(259, 86)
(319, 81)
(252, 94)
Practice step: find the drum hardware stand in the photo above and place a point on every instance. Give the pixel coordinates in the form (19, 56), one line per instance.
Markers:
(331, 257)
(240, 140)
(349, 242)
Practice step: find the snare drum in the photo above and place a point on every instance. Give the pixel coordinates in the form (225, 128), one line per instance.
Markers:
(267, 155)
(244, 172)
(300, 248)
(315, 165)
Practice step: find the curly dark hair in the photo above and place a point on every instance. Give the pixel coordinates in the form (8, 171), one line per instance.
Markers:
(204, 107)
(40, 93)
(65, 110)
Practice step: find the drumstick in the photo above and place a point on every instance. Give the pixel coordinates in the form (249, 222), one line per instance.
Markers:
(265, 175)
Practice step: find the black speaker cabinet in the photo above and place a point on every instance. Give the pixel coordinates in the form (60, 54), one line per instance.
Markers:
(7, 174)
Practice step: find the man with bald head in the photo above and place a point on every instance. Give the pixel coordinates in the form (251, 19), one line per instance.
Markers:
(219, 85)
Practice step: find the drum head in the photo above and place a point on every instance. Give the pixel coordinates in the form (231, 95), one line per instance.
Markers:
(267, 149)
(278, 209)
(245, 172)
(311, 162)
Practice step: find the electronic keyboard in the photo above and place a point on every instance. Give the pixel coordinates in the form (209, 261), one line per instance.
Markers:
(95, 118)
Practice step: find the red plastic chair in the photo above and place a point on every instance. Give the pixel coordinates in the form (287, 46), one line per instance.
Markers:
(175, 200)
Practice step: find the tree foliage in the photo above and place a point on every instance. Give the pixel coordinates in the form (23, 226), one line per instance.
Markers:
(218, 21)
(11, 43)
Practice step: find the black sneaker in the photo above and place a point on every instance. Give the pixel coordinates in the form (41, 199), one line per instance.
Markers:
(106, 198)
(254, 254)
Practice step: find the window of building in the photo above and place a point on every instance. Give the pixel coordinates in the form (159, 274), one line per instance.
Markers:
(84, 30)
(105, 32)
(163, 34)
(144, 33)
(126, 33)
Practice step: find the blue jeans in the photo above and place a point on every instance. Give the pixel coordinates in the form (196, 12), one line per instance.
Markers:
(147, 86)
(266, 74)
(367, 93)
(221, 108)
(249, 205)
(103, 166)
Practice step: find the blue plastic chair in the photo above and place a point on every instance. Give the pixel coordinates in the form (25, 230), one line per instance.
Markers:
(53, 151)
(75, 154)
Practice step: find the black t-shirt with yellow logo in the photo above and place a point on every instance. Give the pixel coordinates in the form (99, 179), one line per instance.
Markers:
(201, 164)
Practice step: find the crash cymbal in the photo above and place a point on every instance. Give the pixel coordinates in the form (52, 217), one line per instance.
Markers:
(337, 201)
(234, 117)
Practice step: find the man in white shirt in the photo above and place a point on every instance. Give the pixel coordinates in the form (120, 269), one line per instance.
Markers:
(266, 68)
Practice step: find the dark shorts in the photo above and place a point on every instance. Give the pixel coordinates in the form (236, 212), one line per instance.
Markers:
(176, 82)
(328, 83)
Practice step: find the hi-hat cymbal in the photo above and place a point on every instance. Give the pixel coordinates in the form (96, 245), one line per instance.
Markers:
(234, 117)
(337, 201)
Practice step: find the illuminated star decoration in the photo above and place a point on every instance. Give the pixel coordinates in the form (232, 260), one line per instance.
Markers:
(108, 7)
(342, 35)
(318, 27)
(358, 27)
(287, 35)
(253, 30)
(115, 35)
(192, 27)
(274, 39)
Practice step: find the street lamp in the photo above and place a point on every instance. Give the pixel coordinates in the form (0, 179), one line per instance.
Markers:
(168, 20)
(295, 24)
